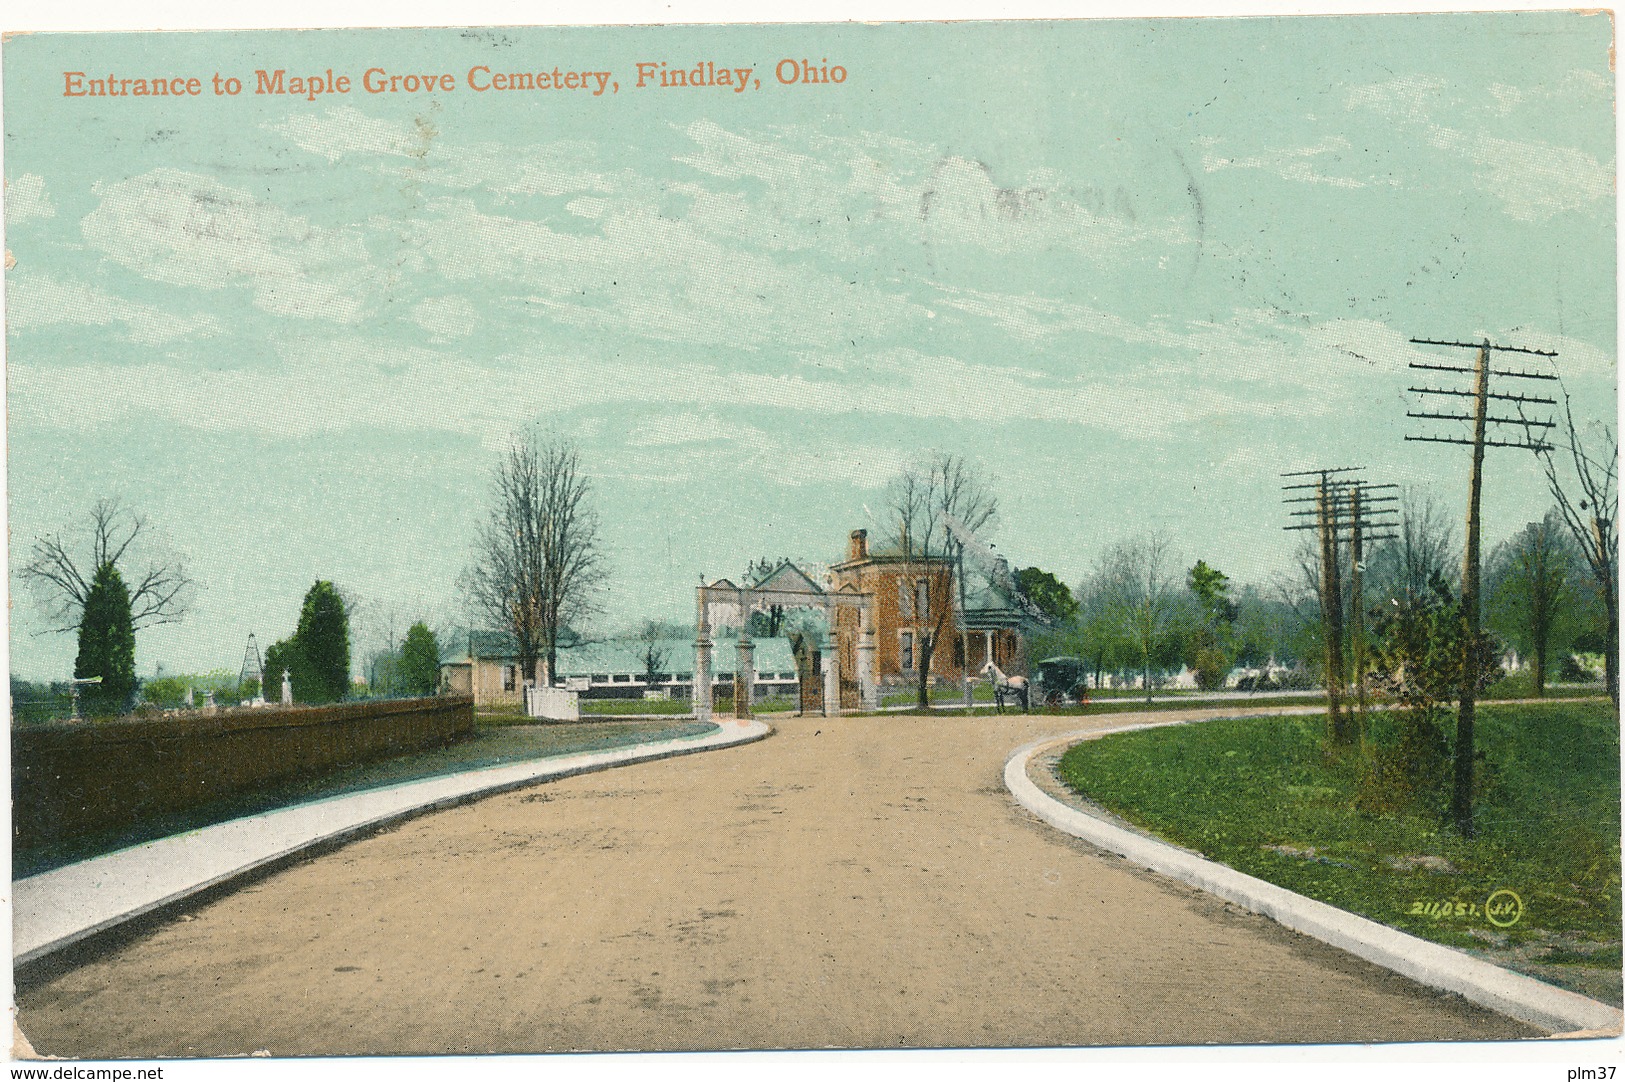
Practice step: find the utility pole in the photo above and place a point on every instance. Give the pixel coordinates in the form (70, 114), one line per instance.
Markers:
(1461, 797)
(1341, 504)
(1371, 518)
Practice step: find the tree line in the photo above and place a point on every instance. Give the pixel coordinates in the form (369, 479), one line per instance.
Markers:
(115, 577)
(1142, 613)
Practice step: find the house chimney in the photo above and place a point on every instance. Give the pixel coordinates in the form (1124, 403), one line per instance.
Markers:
(859, 548)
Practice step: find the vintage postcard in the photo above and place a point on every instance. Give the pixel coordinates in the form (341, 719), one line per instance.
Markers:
(919, 535)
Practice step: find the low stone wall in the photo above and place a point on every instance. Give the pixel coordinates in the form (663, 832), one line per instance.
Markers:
(74, 778)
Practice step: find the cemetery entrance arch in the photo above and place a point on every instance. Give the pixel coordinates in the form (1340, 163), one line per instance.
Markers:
(789, 586)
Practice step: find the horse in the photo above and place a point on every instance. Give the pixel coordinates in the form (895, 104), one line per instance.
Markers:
(1014, 687)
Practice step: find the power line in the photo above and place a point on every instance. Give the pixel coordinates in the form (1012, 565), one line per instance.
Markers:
(1461, 801)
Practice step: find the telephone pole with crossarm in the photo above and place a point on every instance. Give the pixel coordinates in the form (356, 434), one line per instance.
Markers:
(1482, 436)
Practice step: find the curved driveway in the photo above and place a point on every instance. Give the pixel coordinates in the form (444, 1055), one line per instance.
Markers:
(847, 882)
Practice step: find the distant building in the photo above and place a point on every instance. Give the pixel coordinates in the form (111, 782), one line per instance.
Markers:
(914, 599)
(487, 667)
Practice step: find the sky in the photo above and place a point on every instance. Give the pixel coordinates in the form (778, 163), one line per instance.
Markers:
(1134, 269)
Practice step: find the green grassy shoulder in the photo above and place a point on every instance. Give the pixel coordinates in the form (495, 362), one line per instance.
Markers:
(1124, 706)
(1257, 794)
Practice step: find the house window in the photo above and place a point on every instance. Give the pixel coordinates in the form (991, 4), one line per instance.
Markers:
(508, 672)
(905, 600)
(922, 599)
(600, 677)
(905, 650)
(623, 678)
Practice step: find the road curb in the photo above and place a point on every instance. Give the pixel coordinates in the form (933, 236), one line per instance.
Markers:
(64, 906)
(1553, 1009)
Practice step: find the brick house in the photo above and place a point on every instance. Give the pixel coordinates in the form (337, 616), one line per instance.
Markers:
(914, 598)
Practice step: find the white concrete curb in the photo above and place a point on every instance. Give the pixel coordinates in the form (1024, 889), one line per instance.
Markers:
(1513, 994)
(60, 907)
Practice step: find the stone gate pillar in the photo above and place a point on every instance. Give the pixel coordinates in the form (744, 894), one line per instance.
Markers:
(745, 677)
(832, 668)
(868, 692)
(701, 695)
(832, 685)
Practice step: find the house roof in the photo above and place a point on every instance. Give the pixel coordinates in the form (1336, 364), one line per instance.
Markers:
(491, 644)
(890, 553)
(787, 576)
(617, 656)
(628, 656)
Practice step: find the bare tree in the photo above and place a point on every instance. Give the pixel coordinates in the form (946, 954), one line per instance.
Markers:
(1100, 641)
(1531, 595)
(767, 622)
(380, 626)
(1585, 486)
(63, 565)
(655, 654)
(1426, 549)
(538, 560)
(940, 484)
(1142, 600)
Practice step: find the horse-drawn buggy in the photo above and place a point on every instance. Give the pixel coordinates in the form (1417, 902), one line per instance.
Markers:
(1061, 680)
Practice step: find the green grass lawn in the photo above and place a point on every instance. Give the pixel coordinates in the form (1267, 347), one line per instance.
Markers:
(941, 693)
(508, 741)
(1519, 685)
(1258, 795)
(635, 706)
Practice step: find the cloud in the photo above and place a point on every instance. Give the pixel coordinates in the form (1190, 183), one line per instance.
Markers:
(1032, 318)
(1578, 85)
(1534, 181)
(1409, 97)
(835, 191)
(659, 278)
(419, 154)
(723, 448)
(552, 169)
(34, 301)
(670, 430)
(357, 384)
(26, 198)
(725, 154)
(1292, 164)
(447, 317)
(190, 230)
(1254, 348)
(346, 130)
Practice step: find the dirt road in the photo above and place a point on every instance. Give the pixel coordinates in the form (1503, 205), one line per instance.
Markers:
(846, 882)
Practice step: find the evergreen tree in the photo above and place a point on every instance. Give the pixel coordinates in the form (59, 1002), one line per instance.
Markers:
(107, 645)
(1047, 592)
(419, 670)
(1212, 630)
(282, 657)
(322, 646)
